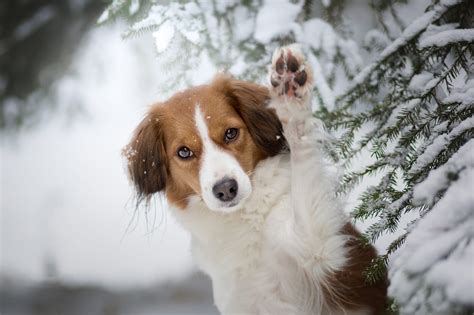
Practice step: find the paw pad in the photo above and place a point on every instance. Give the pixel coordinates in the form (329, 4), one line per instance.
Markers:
(288, 74)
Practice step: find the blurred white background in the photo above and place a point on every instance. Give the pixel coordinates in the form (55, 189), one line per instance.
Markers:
(65, 196)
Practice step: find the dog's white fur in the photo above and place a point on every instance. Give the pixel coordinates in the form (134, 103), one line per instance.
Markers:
(271, 253)
(217, 165)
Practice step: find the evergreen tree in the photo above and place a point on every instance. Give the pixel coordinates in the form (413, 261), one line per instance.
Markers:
(408, 113)
(417, 123)
(239, 37)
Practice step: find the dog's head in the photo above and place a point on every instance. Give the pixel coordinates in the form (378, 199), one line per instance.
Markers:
(205, 142)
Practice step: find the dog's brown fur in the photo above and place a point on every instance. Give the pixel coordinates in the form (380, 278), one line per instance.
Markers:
(353, 289)
(228, 103)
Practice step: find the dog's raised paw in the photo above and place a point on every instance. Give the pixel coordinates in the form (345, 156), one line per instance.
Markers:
(290, 74)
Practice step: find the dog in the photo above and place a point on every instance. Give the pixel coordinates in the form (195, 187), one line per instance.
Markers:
(242, 168)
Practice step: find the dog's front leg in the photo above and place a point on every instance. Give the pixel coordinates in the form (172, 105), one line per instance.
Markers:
(313, 234)
(315, 240)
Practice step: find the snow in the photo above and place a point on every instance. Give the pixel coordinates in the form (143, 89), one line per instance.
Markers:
(65, 197)
(437, 179)
(155, 17)
(103, 17)
(422, 82)
(222, 6)
(447, 37)
(204, 70)
(326, 3)
(349, 49)
(463, 95)
(276, 18)
(412, 30)
(321, 84)
(246, 24)
(320, 35)
(238, 67)
(439, 144)
(180, 16)
(441, 247)
(395, 116)
(417, 26)
(163, 36)
(327, 44)
(134, 6)
(459, 289)
(376, 38)
(436, 29)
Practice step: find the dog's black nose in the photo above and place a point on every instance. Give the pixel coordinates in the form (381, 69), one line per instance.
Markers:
(226, 189)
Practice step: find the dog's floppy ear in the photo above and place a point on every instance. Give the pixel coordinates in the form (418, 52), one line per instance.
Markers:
(147, 161)
(250, 101)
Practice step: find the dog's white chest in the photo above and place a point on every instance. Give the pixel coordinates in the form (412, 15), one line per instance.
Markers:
(236, 249)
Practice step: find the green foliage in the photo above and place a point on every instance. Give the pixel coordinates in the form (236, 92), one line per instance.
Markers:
(404, 119)
(131, 10)
(221, 31)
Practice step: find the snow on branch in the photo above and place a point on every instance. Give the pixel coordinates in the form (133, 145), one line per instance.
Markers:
(412, 31)
(447, 37)
(435, 263)
(438, 179)
(439, 144)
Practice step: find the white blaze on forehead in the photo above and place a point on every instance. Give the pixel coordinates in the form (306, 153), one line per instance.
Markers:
(217, 164)
(201, 125)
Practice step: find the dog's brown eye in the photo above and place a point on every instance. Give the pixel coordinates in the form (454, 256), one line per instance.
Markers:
(231, 134)
(185, 153)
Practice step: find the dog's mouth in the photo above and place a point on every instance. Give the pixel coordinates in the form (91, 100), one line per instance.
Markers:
(227, 207)
(230, 206)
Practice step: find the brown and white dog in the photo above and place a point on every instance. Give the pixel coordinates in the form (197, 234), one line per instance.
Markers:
(242, 169)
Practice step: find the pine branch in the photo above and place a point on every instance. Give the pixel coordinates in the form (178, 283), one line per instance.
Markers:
(408, 37)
